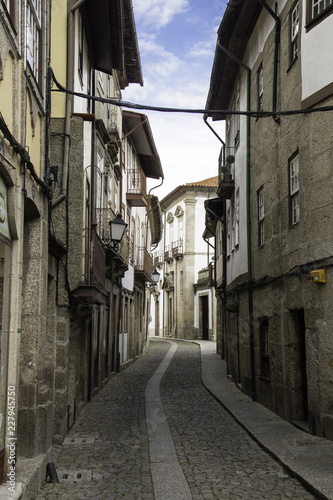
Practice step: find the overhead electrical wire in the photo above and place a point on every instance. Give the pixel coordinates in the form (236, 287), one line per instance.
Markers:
(146, 107)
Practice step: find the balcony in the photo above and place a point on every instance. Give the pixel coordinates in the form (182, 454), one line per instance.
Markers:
(158, 259)
(226, 177)
(136, 195)
(92, 290)
(144, 264)
(168, 254)
(177, 249)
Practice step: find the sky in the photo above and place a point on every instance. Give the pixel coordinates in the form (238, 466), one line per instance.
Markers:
(177, 40)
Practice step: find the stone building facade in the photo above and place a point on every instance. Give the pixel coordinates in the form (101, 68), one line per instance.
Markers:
(278, 205)
(66, 306)
(25, 415)
(184, 304)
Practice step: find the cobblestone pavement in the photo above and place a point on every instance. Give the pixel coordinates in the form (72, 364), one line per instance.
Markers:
(106, 455)
(219, 459)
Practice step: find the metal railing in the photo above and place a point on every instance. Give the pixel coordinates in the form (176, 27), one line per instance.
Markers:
(136, 181)
(177, 248)
(144, 261)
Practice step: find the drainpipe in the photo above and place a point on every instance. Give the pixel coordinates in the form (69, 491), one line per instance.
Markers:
(276, 52)
(248, 204)
(69, 100)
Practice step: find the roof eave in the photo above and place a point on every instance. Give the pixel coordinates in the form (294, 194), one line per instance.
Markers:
(138, 127)
(234, 31)
(112, 39)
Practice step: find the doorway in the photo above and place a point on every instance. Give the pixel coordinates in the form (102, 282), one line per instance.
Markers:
(204, 317)
(298, 376)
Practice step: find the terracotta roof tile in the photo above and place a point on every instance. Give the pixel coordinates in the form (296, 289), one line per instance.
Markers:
(211, 182)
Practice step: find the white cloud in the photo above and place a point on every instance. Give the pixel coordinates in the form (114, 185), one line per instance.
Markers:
(187, 148)
(158, 13)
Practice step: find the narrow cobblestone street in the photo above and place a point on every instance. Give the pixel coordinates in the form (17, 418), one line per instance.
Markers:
(107, 453)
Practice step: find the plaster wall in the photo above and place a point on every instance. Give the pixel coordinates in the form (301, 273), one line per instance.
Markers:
(317, 59)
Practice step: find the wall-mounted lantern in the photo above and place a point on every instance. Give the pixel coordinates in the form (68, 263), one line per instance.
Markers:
(117, 229)
(155, 276)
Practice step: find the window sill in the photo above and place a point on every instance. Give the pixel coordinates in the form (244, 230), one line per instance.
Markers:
(311, 23)
(292, 64)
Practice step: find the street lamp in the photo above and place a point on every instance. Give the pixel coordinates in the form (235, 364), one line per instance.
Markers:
(155, 276)
(117, 229)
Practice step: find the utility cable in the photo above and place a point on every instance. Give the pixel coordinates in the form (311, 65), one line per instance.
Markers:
(146, 107)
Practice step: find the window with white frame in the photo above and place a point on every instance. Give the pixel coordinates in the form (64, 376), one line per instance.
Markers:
(99, 193)
(9, 5)
(261, 217)
(294, 31)
(319, 6)
(260, 89)
(237, 219)
(294, 190)
(101, 81)
(228, 231)
(237, 120)
(80, 51)
(33, 36)
(180, 230)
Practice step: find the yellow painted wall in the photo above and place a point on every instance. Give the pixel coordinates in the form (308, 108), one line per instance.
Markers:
(59, 54)
(6, 92)
(33, 138)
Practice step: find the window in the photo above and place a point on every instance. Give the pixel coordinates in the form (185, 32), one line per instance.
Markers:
(33, 37)
(10, 7)
(294, 32)
(219, 240)
(99, 194)
(261, 217)
(180, 230)
(101, 81)
(260, 89)
(319, 6)
(264, 348)
(80, 52)
(237, 120)
(237, 219)
(228, 231)
(294, 190)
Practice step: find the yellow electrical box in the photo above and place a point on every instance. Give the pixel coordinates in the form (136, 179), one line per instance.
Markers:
(318, 276)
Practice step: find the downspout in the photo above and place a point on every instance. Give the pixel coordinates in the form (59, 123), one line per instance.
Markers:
(276, 52)
(69, 100)
(248, 205)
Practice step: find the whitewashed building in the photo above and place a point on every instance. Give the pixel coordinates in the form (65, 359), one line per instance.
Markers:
(184, 301)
